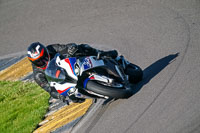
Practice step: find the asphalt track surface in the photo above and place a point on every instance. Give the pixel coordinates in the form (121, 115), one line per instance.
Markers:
(161, 36)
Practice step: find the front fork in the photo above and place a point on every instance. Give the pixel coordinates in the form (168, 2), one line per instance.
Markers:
(122, 61)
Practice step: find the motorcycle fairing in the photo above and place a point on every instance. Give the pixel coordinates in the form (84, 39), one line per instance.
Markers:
(68, 64)
(84, 64)
(89, 63)
(62, 88)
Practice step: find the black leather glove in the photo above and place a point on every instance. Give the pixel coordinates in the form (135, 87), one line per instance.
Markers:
(72, 49)
(112, 54)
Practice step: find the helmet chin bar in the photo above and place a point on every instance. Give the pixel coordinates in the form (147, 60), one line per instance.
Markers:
(44, 62)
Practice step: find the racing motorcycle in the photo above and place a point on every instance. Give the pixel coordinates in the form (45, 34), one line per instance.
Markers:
(92, 76)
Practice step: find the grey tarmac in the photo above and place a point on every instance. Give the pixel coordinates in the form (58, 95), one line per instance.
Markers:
(161, 36)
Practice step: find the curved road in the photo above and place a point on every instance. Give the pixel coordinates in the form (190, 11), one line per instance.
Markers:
(161, 36)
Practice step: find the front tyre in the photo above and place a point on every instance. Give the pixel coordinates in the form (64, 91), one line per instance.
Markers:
(109, 91)
(135, 73)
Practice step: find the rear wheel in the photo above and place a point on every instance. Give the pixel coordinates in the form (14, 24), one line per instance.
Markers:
(108, 91)
(135, 73)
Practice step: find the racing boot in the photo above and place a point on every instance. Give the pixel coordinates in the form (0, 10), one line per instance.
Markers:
(76, 99)
(64, 99)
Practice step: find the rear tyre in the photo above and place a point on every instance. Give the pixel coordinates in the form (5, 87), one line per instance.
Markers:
(135, 73)
(108, 91)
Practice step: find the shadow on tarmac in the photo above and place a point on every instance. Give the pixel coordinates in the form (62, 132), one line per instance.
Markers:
(151, 71)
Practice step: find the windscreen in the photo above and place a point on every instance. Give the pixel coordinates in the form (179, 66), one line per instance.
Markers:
(54, 73)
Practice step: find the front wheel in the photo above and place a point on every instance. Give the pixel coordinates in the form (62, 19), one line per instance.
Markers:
(135, 73)
(109, 91)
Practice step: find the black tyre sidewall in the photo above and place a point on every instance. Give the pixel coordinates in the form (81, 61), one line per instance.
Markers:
(108, 91)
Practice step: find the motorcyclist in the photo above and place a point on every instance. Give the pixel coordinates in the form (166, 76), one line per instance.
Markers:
(40, 55)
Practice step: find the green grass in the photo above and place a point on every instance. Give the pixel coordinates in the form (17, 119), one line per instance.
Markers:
(22, 106)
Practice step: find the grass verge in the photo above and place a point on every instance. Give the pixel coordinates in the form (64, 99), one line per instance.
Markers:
(22, 106)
